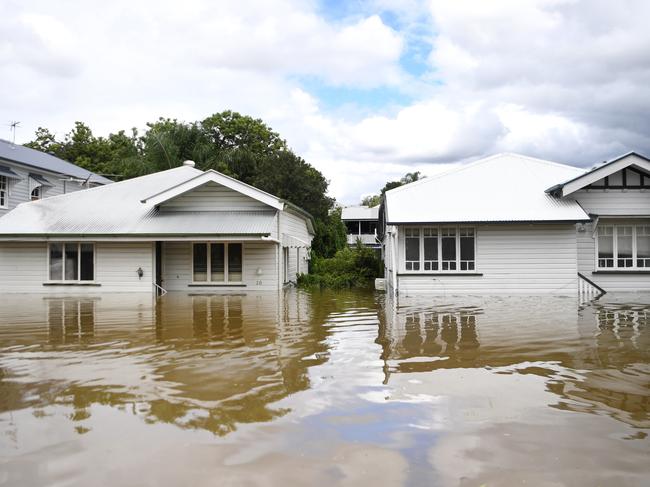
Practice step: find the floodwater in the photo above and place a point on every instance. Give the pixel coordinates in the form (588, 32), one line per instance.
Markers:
(324, 389)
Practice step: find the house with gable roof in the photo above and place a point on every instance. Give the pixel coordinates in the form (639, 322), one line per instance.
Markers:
(511, 224)
(182, 229)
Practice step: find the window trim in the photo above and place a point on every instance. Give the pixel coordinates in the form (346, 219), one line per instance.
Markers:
(457, 236)
(72, 282)
(4, 181)
(226, 271)
(615, 268)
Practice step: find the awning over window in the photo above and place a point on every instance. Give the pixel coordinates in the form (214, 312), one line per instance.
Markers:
(291, 241)
(40, 180)
(7, 172)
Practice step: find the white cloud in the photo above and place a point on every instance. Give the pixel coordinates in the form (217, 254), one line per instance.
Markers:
(564, 79)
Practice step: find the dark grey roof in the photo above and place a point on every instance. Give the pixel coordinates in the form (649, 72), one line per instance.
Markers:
(40, 179)
(41, 160)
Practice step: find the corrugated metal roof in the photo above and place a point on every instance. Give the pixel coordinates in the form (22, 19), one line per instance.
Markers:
(116, 209)
(501, 188)
(37, 159)
(360, 213)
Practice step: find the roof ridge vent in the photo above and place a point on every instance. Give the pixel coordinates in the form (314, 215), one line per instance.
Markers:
(189, 163)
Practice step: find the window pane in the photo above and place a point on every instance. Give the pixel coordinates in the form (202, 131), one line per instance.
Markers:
(217, 262)
(200, 261)
(605, 247)
(235, 262)
(71, 262)
(3, 190)
(87, 262)
(56, 262)
(467, 248)
(624, 240)
(353, 227)
(643, 246)
(412, 249)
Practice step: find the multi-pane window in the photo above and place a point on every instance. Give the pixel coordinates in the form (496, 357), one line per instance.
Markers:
(217, 262)
(412, 249)
(431, 249)
(36, 193)
(623, 246)
(448, 240)
(4, 196)
(467, 257)
(430, 238)
(71, 261)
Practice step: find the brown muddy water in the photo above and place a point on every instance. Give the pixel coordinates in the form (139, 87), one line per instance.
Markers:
(324, 389)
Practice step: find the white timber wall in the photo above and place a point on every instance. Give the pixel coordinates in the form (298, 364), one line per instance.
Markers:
(296, 226)
(20, 189)
(614, 201)
(177, 268)
(513, 259)
(23, 268)
(611, 202)
(212, 197)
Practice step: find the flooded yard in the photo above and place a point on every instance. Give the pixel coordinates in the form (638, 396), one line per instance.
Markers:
(324, 389)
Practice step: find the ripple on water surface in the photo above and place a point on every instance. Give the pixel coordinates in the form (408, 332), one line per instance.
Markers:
(324, 389)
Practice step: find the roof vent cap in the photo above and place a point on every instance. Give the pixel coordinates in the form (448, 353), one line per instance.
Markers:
(189, 163)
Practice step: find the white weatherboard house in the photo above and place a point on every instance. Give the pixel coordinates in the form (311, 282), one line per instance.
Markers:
(514, 224)
(181, 229)
(361, 225)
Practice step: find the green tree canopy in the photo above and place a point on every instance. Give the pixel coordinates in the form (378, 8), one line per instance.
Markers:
(238, 145)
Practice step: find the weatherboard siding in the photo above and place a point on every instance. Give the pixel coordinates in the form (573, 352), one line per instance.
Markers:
(23, 268)
(614, 202)
(177, 268)
(296, 227)
(213, 197)
(20, 189)
(512, 259)
(609, 282)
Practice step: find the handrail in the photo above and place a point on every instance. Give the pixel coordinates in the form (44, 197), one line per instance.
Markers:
(159, 290)
(592, 283)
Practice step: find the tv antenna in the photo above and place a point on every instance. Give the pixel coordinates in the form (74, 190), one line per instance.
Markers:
(13, 126)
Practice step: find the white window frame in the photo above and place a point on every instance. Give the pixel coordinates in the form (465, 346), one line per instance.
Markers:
(226, 272)
(615, 267)
(4, 192)
(39, 195)
(78, 280)
(438, 229)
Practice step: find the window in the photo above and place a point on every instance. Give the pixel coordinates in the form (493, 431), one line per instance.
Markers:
(430, 249)
(368, 227)
(223, 261)
(623, 247)
(448, 237)
(446, 249)
(71, 261)
(643, 246)
(36, 193)
(4, 194)
(467, 258)
(353, 227)
(412, 249)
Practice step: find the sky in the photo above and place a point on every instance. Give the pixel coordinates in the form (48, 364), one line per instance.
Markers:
(364, 90)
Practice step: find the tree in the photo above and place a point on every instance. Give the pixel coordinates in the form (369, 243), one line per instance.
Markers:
(237, 145)
(409, 177)
(372, 200)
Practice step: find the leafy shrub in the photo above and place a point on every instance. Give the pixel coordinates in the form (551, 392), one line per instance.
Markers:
(350, 267)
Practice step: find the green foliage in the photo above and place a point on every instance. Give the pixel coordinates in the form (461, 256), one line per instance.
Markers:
(331, 235)
(350, 267)
(237, 145)
(372, 200)
(409, 177)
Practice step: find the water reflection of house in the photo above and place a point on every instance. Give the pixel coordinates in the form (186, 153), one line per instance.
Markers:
(591, 358)
(181, 229)
(511, 224)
